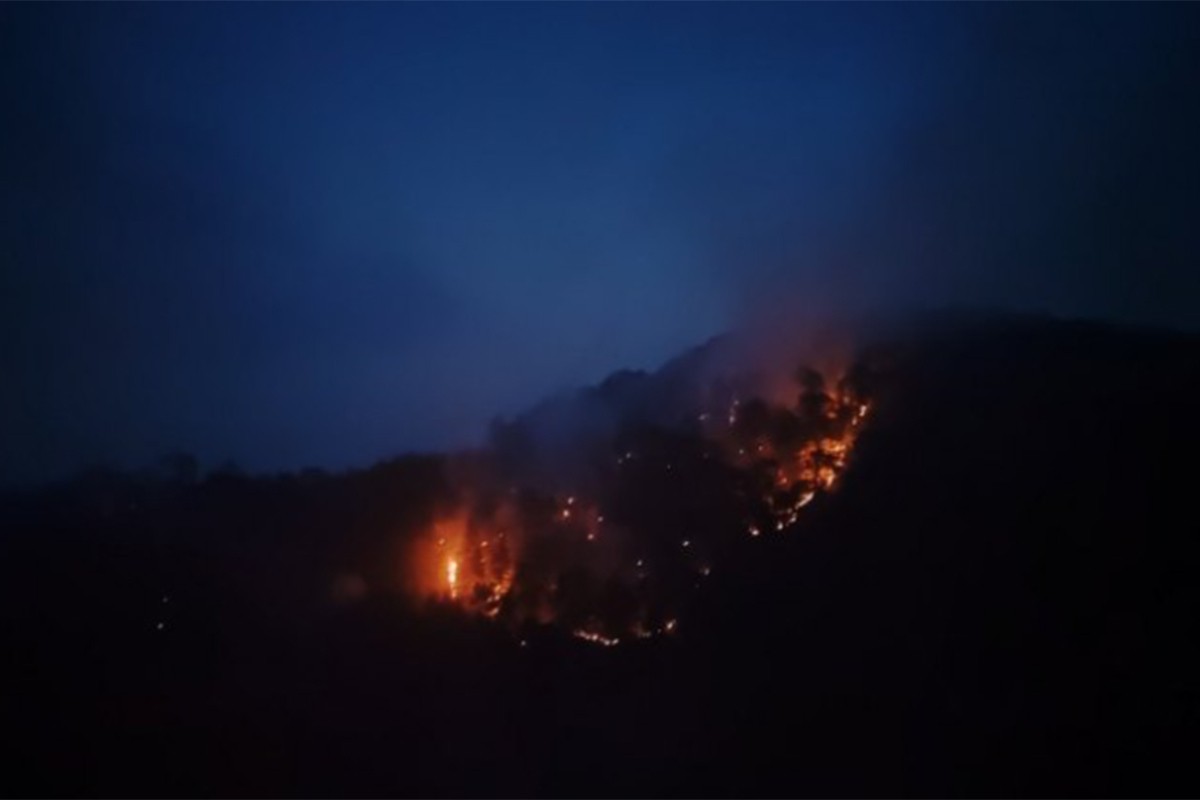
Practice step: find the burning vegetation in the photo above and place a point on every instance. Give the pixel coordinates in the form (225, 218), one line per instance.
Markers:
(607, 529)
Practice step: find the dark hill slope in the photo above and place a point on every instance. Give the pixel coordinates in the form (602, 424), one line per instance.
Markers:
(999, 599)
(1002, 597)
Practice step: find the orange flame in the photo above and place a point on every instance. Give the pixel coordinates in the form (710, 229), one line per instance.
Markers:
(470, 556)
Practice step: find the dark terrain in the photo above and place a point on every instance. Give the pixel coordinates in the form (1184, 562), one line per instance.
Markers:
(999, 599)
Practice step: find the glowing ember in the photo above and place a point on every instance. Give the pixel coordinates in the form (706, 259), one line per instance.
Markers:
(596, 638)
(523, 556)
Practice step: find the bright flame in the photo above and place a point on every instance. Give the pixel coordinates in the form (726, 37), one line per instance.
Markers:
(478, 555)
(452, 577)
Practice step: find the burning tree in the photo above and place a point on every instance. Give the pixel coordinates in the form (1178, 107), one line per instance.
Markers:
(611, 545)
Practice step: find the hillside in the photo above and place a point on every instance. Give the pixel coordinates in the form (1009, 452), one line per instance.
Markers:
(994, 597)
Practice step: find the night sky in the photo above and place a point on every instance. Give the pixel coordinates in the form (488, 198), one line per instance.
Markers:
(323, 234)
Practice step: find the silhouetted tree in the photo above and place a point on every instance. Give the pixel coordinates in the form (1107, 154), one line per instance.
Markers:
(576, 596)
(813, 408)
(227, 469)
(786, 431)
(512, 442)
(180, 468)
(753, 419)
(861, 381)
(811, 381)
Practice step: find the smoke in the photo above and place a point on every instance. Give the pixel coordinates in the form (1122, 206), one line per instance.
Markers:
(1035, 158)
(604, 509)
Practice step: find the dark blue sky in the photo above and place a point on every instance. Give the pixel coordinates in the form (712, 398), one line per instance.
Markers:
(326, 233)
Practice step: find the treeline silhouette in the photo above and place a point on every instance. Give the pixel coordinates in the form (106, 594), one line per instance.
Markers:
(998, 599)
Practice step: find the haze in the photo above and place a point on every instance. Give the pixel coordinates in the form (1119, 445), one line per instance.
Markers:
(321, 234)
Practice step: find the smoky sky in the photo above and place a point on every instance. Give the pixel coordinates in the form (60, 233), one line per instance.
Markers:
(328, 233)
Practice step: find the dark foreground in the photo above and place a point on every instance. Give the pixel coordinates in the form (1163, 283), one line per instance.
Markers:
(1001, 599)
